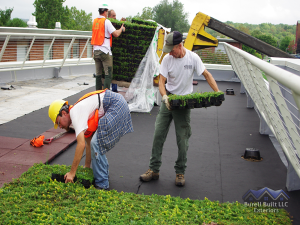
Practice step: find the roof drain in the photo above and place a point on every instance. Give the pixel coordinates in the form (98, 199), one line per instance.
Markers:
(252, 155)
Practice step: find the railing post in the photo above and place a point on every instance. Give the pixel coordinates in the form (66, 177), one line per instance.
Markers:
(242, 90)
(4, 46)
(33, 39)
(292, 180)
(48, 51)
(83, 49)
(70, 46)
(250, 102)
(297, 99)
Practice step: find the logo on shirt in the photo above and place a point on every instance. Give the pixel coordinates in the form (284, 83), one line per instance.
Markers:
(188, 67)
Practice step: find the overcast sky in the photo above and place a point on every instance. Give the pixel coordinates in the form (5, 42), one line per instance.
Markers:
(238, 11)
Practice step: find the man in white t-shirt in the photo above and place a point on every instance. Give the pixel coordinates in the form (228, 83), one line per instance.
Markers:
(112, 14)
(177, 68)
(102, 42)
(100, 119)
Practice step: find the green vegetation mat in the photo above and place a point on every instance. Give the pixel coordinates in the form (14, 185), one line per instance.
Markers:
(130, 47)
(35, 199)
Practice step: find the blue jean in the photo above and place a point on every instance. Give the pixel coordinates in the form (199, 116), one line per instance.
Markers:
(99, 164)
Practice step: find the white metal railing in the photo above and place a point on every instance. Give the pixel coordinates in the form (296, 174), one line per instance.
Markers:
(21, 51)
(267, 93)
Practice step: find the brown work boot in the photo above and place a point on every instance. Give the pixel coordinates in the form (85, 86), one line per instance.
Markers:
(179, 181)
(149, 175)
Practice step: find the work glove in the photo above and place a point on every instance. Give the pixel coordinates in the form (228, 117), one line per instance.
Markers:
(165, 99)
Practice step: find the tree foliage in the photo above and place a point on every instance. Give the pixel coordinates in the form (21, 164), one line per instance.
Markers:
(16, 22)
(285, 43)
(79, 20)
(5, 16)
(48, 12)
(248, 49)
(292, 47)
(277, 32)
(265, 38)
(268, 39)
(171, 15)
(146, 14)
(5, 20)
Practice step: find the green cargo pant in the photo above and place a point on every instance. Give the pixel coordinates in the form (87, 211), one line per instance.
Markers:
(103, 61)
(163, 121)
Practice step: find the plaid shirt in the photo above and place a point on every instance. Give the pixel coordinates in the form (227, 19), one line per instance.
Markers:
(115, 123)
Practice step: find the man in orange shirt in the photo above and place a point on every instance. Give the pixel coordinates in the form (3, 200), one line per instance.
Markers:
(102, 42)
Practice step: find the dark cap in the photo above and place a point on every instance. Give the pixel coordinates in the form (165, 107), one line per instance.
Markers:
(173, 38)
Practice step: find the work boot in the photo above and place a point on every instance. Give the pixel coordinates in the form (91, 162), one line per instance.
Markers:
(179, 181)
(98, 83)
(149, 175)
(100, 188)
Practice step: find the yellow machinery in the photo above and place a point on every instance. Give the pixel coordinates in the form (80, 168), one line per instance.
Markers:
(197, 38)
(159, 51)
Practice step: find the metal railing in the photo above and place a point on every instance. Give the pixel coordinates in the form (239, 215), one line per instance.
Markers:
(26, 48)
(276, 94)
(23, 49)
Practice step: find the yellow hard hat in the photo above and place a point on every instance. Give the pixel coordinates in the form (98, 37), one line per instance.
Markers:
(54, 109)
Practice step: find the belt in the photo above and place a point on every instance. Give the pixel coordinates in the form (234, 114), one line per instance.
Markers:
(168, 93)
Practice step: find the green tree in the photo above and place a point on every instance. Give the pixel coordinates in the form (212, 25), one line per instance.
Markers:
(268, 39)
(265, 38)
(264, 26)
(129, 18)
(16, 22)
(146, 14)
(248, 49)
(292, 47)
(277, 31)
(256, 33)
(6, 21)
(5, 16)
(48, 12)
(171, 15)
(285, 43)
(243, 28)
(79, 20)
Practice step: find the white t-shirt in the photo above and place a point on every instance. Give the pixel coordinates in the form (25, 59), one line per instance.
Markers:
(109, 29)
(179, 72)
(84, 110)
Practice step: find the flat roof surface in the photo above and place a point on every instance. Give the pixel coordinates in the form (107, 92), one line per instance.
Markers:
(215, 168)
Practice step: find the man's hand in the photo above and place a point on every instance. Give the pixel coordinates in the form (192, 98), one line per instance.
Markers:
(123, 28)
(165, 99)
(69, 177)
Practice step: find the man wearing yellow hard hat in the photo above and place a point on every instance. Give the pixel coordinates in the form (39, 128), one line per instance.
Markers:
(100, 119)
